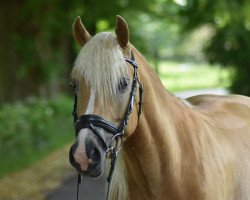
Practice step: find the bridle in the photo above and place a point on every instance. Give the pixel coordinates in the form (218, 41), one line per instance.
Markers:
(93, 122)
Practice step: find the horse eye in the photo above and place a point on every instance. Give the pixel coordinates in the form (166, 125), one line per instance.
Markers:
(123, 84)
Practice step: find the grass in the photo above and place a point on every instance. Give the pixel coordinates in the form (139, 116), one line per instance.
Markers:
(189, 76)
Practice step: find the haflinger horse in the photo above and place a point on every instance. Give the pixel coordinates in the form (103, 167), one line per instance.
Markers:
(169, 149)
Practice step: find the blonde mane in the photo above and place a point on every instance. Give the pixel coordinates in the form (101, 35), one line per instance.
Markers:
(119, 186)
(101, 64)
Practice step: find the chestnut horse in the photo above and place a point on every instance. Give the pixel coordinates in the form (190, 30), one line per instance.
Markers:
(198, 149)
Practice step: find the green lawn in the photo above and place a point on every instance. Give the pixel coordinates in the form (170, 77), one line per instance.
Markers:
(189, 76)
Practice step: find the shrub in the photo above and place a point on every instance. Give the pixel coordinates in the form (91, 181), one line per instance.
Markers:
(30, 129)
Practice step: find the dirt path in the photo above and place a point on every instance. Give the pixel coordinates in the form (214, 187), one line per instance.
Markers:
(90, 189)
(52, 178)
(33, 182)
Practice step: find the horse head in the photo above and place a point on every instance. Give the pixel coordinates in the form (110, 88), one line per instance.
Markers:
(105, 81)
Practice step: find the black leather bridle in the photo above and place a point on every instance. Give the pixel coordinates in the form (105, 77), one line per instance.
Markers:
(93, 122)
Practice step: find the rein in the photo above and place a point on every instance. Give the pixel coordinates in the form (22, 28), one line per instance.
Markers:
(93, 122)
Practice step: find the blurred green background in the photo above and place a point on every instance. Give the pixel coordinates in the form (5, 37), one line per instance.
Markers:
(191, 44)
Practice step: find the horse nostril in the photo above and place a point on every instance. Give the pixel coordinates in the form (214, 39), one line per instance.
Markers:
(72, 152)
(95, 156)
(93, 152)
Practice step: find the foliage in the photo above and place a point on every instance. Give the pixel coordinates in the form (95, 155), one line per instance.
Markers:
(230, 43)
(231, 47)
(32, 128)
(37, 50)
(192, 76)
(155, 38)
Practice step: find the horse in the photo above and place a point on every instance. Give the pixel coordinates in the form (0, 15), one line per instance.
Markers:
(165, 147)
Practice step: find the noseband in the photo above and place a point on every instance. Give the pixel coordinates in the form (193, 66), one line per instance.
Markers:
(94, 122)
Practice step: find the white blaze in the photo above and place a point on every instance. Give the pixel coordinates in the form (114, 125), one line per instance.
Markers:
(91, 103)
(80, 155)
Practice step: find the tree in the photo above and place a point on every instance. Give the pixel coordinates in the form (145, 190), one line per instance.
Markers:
(36, 51)
(230, 43)
(154, 37)
(36, 48)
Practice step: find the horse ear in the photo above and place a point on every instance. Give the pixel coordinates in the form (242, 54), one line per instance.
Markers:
(121, 31)
(81, 35)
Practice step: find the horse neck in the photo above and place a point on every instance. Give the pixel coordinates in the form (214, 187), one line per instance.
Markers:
(152, 152)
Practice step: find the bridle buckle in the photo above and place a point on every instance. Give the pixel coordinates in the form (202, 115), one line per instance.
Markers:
(117, 141)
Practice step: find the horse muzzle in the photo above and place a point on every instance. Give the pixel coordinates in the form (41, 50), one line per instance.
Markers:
(87, 158)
